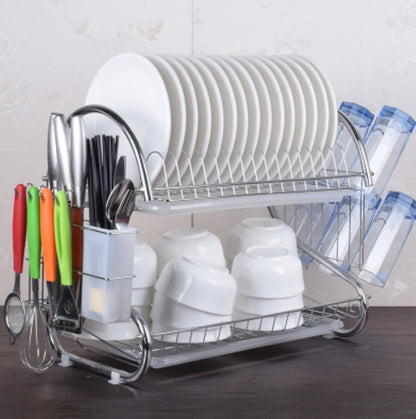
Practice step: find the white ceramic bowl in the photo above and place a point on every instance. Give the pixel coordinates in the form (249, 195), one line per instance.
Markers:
(166, 311)
(189, 241)
(145, 265)
(199, 283)
(142, 296)
(268, 272)
(260, 231)
(268, 323)
(183, 324)
(263, 306)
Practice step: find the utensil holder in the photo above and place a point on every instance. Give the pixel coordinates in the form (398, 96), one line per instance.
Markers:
(385, 238)
(108, 266)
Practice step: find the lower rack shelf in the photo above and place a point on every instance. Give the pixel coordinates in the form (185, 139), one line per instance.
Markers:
(182, 346)
(165, 355)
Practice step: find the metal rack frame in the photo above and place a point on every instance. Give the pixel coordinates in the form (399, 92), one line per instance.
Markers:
(342, 318)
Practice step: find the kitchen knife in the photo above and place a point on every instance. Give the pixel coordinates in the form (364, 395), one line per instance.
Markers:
(78, 165)
(62, 145)
(52, 156)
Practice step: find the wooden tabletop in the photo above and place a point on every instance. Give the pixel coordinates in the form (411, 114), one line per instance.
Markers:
(372, 375)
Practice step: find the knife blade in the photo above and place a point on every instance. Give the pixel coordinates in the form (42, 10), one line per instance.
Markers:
(62, 146)
(120, 170)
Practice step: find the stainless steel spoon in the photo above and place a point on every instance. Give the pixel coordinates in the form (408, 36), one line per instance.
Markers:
(116, 198)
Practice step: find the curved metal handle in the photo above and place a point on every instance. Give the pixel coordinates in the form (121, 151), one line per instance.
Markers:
(350, 279)
(134, 143)
(142, 357)
(146, 346)
(368, 179)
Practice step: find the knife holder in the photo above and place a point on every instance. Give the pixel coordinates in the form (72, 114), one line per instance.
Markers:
(108, 266)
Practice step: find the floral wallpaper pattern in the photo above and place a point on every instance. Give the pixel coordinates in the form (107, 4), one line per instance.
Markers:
(51, 49)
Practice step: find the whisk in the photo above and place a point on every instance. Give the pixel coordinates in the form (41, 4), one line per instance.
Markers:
(37, 351)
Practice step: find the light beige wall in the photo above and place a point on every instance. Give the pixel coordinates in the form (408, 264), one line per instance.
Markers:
(50, 50)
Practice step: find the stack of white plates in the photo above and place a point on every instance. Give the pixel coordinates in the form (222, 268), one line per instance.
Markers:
(216, 119)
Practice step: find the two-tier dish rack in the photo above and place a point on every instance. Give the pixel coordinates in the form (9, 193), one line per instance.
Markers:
(330, 182)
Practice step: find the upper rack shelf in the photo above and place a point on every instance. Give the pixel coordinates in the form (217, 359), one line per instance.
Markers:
(305, 177)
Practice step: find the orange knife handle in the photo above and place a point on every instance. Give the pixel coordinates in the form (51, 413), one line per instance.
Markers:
(47, 234)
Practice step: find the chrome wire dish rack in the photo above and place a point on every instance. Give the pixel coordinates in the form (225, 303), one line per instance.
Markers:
(327, 179)
(307, 176)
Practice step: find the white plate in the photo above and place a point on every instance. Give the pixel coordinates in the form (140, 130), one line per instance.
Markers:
(289, 122)
(217, 119)
(311, 117)
(278, 116)
(259, 158)
(179, 116)
(323, 112)
(230, 118)
(245, 159)
(236, 149)
(204, 121)
(333, 113)
(293, 162)
(132, 86)
(192, 118)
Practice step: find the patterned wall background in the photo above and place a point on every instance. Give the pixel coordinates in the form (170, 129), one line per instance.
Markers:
(51, 49)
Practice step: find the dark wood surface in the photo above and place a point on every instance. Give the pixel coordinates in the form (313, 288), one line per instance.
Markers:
(372, 375)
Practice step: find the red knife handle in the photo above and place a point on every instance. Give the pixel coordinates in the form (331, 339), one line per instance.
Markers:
(19, 227)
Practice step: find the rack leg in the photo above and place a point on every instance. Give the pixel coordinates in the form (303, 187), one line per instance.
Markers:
(116, 376)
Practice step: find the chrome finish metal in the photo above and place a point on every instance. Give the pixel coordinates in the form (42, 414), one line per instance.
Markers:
(360, 148)
(267, 184)
(134, 353)
(145, 188)
(350, 279)
(324, 183)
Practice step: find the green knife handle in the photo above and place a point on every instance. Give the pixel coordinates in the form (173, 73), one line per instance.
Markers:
(33, 231)
(63, 237)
